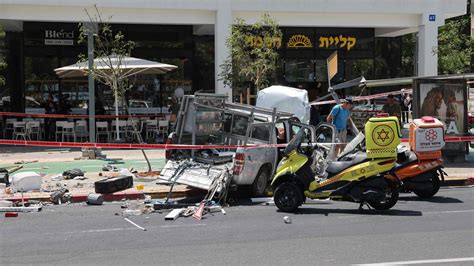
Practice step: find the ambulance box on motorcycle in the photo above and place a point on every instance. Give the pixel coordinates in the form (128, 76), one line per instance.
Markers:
(382, 137)
(426, 137)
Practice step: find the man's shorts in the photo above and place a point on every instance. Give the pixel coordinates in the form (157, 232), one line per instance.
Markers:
(341, 136)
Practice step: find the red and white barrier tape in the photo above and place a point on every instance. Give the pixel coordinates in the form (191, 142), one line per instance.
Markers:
(165, 146)
(13, 114)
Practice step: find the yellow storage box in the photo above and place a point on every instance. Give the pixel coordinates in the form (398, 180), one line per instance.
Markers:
(382, 136)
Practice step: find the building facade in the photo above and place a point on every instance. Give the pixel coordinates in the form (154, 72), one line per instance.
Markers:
(191, 34)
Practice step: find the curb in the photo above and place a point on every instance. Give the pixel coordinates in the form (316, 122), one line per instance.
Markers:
(118, 196)
(458, 181)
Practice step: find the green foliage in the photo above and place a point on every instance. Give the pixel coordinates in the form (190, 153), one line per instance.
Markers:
(455, 46)
(109, 47)
(249, 63)
(3, 64)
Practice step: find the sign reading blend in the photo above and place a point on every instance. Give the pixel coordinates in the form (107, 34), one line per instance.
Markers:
(61, 37)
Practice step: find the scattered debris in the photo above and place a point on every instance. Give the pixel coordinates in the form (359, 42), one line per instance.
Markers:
(60, 196)
(79, 178)
(114, 184)
(70, 174)
(58, 177)
(130, 212)
(95, 199)
(11, 214)
(22, 209)
(287, 219)
(4, 176)
(136, 225)
(26, 162)
(108, 167)
(6, 203)
(25, 181)
(174, 214)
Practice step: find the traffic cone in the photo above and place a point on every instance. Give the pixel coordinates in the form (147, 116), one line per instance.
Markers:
(198, 213)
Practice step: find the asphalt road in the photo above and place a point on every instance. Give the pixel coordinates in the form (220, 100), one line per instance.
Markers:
(322, 233)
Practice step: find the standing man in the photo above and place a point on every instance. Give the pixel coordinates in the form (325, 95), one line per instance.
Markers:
(339, 117)
(393, 108)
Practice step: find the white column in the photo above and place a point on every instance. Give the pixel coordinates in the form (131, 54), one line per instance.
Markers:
(427, 43)
(221, 32)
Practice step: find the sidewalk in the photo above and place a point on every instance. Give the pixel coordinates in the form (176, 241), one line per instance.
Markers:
(51, 162)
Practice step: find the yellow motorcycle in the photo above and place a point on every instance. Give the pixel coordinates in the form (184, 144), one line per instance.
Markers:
(360, 174)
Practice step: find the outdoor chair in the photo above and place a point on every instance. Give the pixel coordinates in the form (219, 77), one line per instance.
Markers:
(59, 130)
(134, 127)
(19, 130)
(151, 129)
(33, 129)
(122, 127)
(163, 128)
(68, 131)
(81, 130)
(8, 127)
(102, 129)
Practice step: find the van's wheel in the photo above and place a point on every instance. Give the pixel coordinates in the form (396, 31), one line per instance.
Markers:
(436, 184)
(260, 183)
(288, 197)
(391, 198)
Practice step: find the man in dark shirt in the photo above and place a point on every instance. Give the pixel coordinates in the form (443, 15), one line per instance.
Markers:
(392, 108)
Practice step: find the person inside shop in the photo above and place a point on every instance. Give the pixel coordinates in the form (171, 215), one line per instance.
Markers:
(339, 117)
(50, 107)
(392, 108)
(64, 105)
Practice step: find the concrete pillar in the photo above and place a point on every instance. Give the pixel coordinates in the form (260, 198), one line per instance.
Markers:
(222, 31)
(427, 43)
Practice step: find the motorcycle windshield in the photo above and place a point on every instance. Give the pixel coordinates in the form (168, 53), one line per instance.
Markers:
(353, 144)
(294, 143)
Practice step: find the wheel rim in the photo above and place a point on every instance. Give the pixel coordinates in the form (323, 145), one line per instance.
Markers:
(288, 198)
(261, 183)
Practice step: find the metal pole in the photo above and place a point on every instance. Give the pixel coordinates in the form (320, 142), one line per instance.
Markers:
(115, 88)
(91, 104)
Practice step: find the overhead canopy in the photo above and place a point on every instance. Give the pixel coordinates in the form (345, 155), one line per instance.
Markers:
(104, 65)
(285, 99)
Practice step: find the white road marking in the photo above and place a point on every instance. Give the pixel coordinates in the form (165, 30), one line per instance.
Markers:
(182, 225)
(408, 262)
(459, 211)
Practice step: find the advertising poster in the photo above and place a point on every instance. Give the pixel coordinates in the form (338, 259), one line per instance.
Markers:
(447, 102)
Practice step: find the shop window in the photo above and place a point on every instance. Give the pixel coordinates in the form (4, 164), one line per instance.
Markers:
(299, 70)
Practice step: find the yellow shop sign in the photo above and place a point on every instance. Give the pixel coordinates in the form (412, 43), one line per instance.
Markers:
(337, 41)
(299, 41)
(259, 41)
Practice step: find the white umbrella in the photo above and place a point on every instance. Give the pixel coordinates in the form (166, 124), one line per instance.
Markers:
(104, 66)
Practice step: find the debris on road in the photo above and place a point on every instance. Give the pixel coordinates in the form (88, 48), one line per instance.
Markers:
(35, 208)
(174, 214)
(60, 196)
(11, 214)
(287, 219)
(57, 177)
(111, 185)
(136, 225)
(6, 203)
(95, 199)
(109, 167)
(26, 162)
(70, 174)
(26, 181)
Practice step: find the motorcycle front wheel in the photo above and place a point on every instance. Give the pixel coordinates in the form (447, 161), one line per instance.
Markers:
(288, 197)
(391, 198)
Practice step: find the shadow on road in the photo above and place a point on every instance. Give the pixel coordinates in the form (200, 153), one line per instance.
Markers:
(327, 212)
(435, 199)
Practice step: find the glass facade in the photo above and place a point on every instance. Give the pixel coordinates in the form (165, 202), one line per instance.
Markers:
(42, 47)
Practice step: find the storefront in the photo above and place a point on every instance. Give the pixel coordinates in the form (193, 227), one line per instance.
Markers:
(192, 35)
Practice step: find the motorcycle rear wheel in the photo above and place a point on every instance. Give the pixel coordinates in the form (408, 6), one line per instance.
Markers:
(288, 197)
(391, 198)
(426, 194)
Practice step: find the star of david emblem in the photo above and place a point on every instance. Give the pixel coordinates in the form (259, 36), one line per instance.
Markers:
(383, 135)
